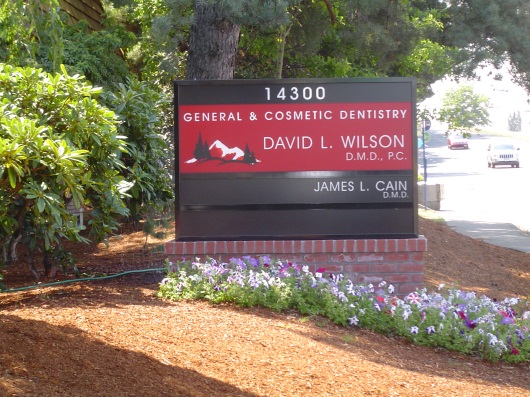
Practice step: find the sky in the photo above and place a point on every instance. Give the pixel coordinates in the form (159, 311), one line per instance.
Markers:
(505, 97)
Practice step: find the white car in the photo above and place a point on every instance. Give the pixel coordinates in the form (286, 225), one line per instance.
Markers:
(503, 153)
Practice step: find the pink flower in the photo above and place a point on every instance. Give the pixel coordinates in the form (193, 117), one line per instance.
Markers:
(413, 298)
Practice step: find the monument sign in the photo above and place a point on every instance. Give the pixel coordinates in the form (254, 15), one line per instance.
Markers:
(296, 159)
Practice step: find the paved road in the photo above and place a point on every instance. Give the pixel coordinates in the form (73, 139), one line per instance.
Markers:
(487, 204)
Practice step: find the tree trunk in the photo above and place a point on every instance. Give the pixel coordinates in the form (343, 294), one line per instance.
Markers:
(213, 44)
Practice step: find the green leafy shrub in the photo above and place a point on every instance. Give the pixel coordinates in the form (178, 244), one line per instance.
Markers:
(148, 157)
(58, 145)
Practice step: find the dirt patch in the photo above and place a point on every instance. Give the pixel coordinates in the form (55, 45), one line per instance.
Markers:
(115, 338)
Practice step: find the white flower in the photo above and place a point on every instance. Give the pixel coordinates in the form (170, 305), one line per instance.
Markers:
(390, 289)
(441, 286)
(430, 329)
(318, 275)
(414, 330)
(493, 339)
(353, 320)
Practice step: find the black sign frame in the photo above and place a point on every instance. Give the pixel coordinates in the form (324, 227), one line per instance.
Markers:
(295, 204)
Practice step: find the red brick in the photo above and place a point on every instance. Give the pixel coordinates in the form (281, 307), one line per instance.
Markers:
(372, 278)
(344, 258)
(322, 246)
(169, 248)
(357, 268)
(268, 247)
(417, 256)
(402, 245)
(360, 246)
(340, 246)
(391, 245)
(398, 278)
(240, 248)
(209, 247)
(405, 289)
(299, 246)
(294, 258)
(351, 246)
(371, 245)
(397, 256)
(383, 268)
(335, 269)
(410, 267)
(259, 246)
(421, 244)
(416, 278)
(312, 267)
(226, 258)
(316, 258)
(381, 245)
(278, 247)
(366, 257)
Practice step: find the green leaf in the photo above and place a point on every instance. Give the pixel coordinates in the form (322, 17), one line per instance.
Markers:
(41, 204)
(12, 177)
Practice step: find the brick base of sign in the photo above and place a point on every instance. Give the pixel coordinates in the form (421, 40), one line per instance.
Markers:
(397, 261)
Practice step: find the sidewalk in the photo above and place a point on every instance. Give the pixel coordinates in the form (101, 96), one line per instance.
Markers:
(501, 234)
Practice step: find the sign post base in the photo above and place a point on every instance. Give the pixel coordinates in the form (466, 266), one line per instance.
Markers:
(397, 261)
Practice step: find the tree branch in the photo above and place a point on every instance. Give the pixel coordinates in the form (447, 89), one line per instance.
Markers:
(332, 18)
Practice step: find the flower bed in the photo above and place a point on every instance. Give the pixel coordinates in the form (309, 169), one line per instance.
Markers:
(456, 320)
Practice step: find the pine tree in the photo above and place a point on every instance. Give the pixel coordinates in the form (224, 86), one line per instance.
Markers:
(198, 153)
(249, 156)
(214, 33)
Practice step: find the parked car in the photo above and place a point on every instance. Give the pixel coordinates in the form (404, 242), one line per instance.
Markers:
(503, 153)
(457, 141)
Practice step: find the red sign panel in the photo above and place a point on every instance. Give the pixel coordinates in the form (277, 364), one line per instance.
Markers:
(295, 137)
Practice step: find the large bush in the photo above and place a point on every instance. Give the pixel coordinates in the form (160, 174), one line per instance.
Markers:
(58, 145)
(140, 110)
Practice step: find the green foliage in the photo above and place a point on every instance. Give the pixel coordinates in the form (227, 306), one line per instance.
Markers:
(99, 56)
(490, 31)
(463, 110)
(147, 159)
(57, 145)
(351, 39)
(31, 33)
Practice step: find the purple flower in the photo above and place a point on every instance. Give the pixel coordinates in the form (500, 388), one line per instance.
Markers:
(252, 261)
(470, 324)
(265, 259)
